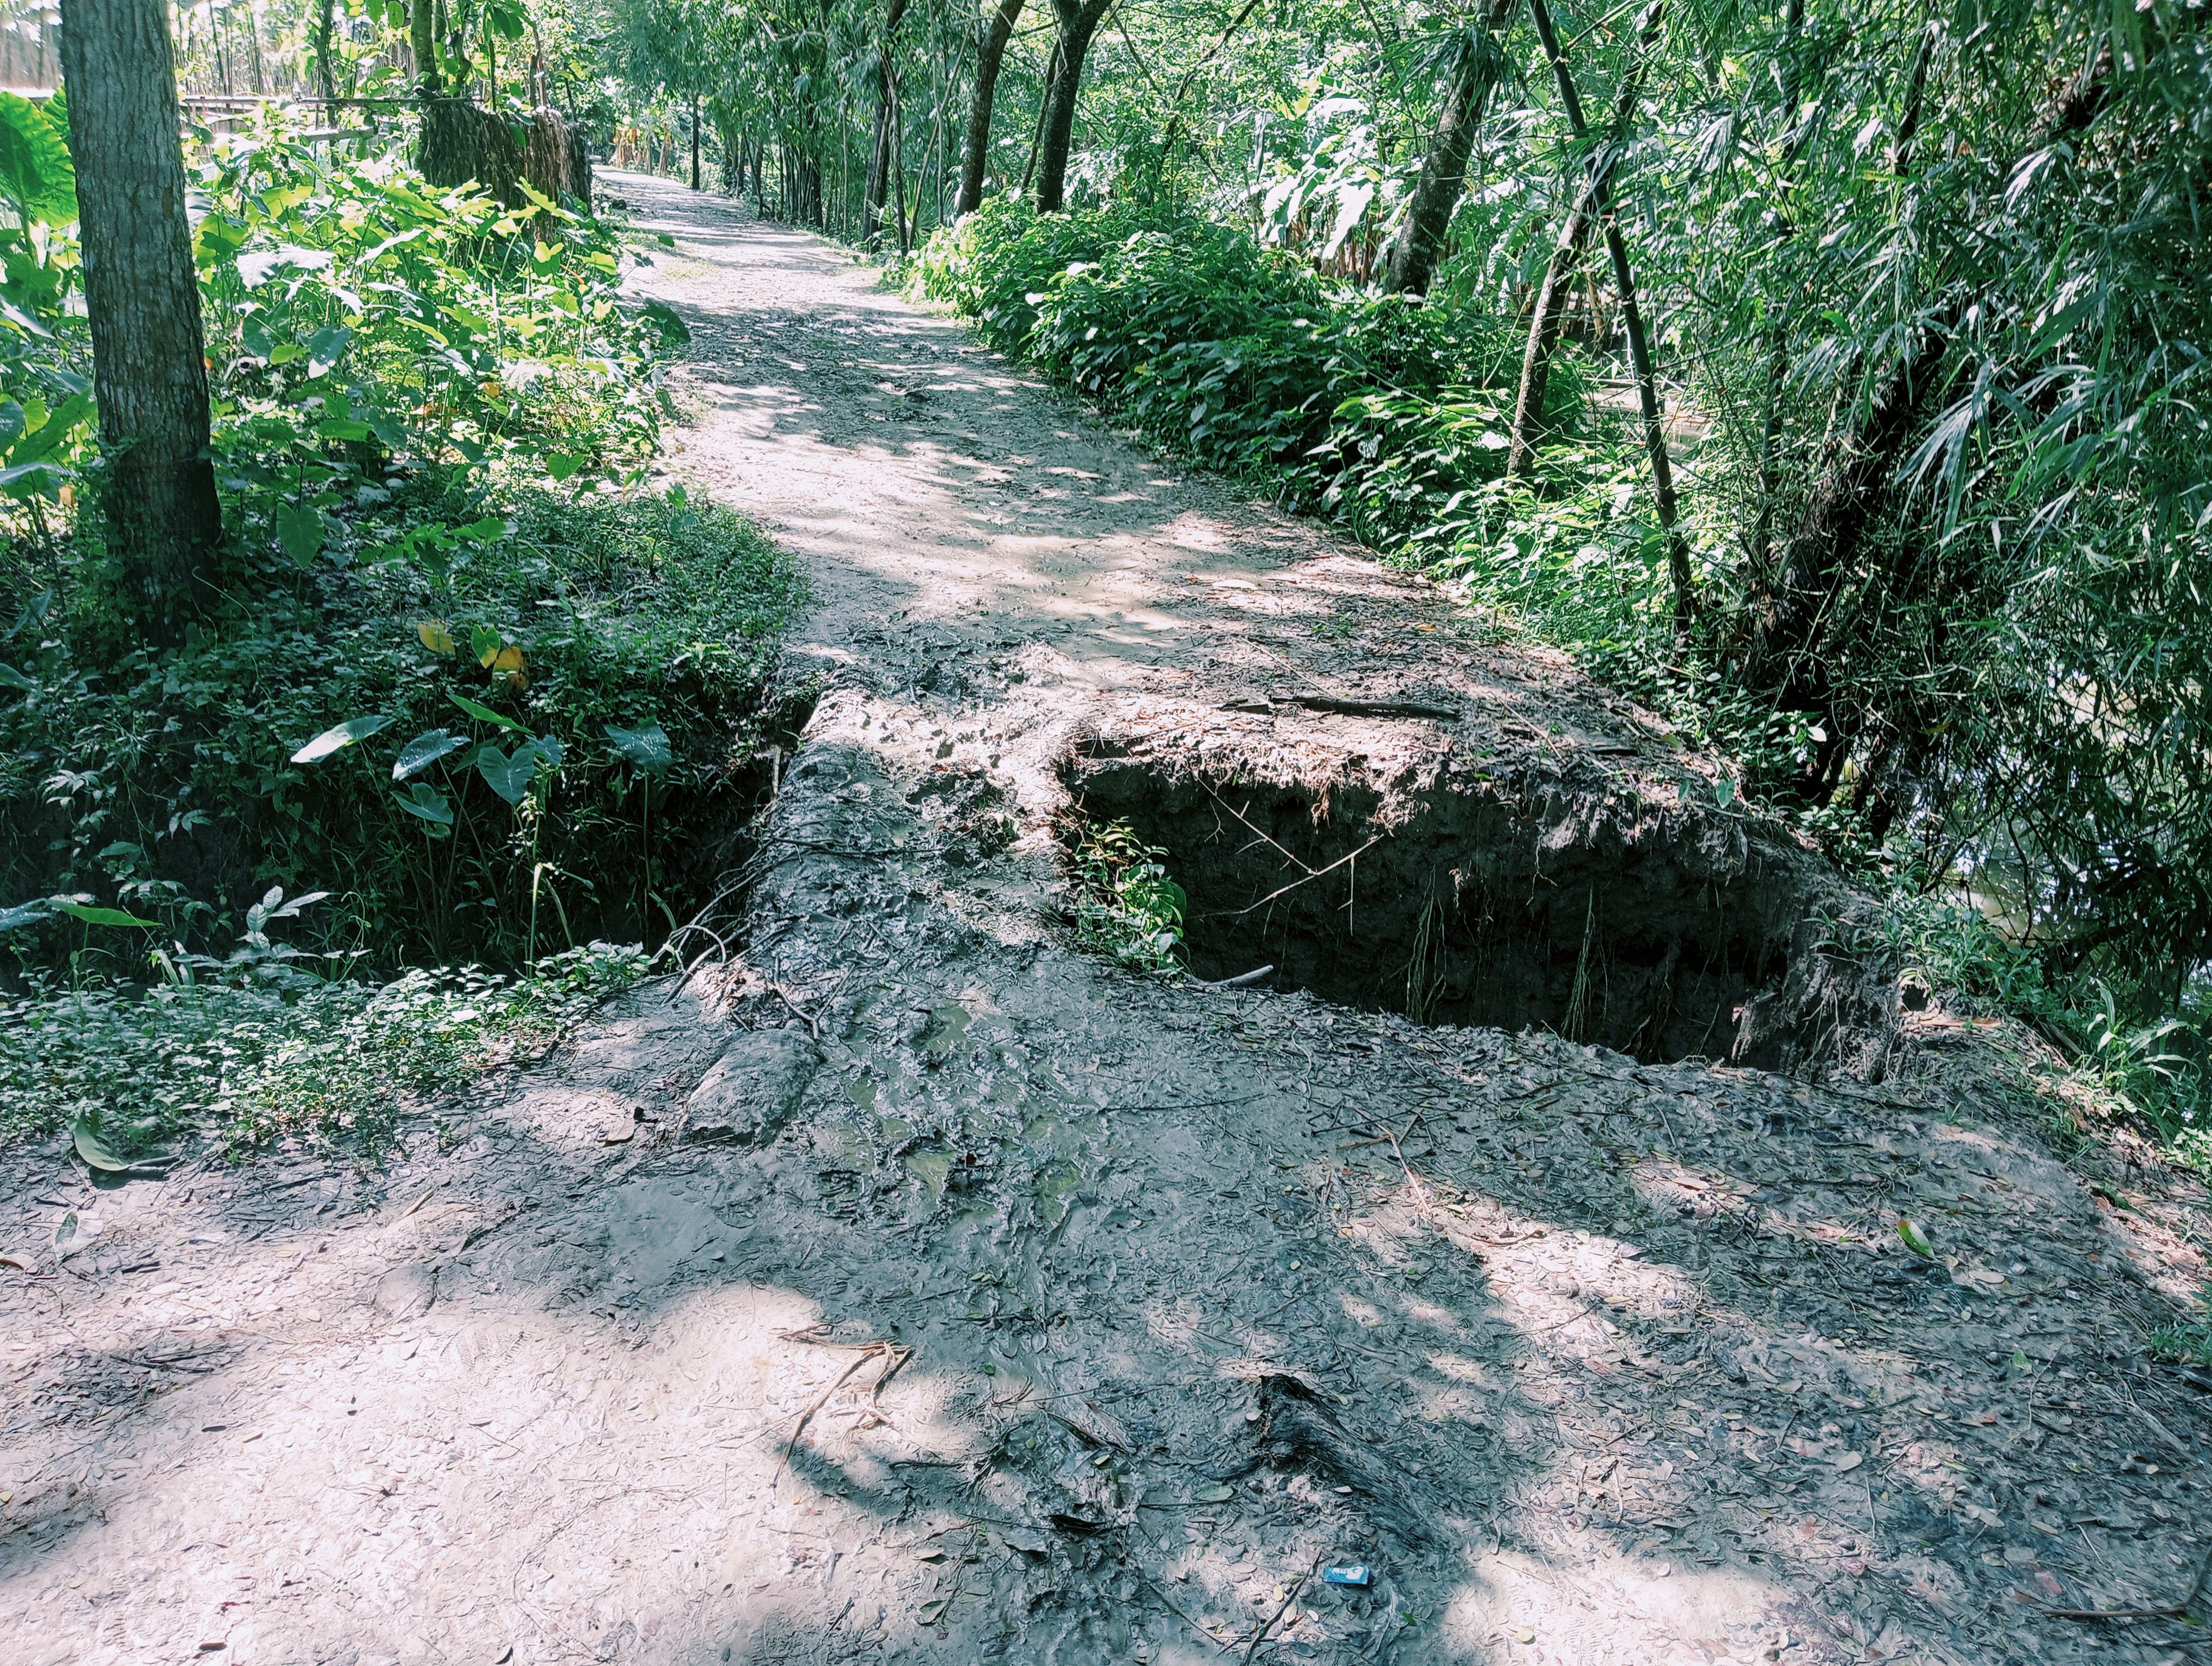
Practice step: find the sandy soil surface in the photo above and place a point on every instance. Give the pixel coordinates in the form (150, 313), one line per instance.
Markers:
(911, 1286)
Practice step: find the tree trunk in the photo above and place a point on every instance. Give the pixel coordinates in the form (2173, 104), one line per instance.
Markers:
(898, 174)
(324, 36)
(695, 142)
(1419, 249)
(1631, 315)
(1044, 105)
(1544, 327)
(1566, 257)
(990, 56)
(1078, 21)
(142, 299)
(879, 153)
(423, 40)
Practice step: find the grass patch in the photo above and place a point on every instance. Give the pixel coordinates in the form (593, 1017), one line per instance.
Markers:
(2188, 1342)
(249, 1064)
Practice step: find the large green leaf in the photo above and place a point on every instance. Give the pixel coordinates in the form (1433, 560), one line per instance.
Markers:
(646, 746)
(425, 750)
(93, 916)
(325, 347)
(26, 914)
(510, 777)
(301, 529)
(59, 425)
(353, 729)
(427, 802)
(485, 713)
(98, 1153)
(674, 332)
(35, 173)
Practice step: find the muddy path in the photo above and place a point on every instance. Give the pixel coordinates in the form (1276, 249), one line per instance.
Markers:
(913, 1286)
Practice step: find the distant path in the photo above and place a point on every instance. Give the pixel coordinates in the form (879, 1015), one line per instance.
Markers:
(947, 500)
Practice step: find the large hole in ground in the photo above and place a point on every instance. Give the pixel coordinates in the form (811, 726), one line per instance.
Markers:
(1639, 927)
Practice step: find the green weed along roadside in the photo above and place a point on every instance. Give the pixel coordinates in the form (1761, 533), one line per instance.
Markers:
(246, 1066)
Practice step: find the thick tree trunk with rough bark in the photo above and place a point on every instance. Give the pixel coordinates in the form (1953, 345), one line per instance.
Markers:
(149, 366)
(990, 56)
(880, 161)
(1420, 246)
(1078, 21)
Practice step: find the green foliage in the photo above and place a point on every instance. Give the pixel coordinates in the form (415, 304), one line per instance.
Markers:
(356, 313)
(36, 177)
(332, 732)
(46, 391)
(1382, 410)
(2185, 1342)
(1125, 906)
(433, 417)
(2151, 1072)
(248, 1063)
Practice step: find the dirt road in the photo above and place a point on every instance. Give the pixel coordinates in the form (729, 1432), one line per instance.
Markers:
(916, 1287)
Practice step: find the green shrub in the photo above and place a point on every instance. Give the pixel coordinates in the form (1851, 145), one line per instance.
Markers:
(1125, 905)
(1379, 410)
(432, 419)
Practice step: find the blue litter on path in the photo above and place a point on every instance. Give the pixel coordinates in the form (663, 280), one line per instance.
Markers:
(1359, 1574)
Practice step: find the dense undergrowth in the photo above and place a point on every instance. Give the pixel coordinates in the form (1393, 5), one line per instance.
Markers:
(641, 632)
(1389, 416)
(470, 684)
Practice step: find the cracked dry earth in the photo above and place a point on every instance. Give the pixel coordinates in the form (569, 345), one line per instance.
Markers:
(962, 1298)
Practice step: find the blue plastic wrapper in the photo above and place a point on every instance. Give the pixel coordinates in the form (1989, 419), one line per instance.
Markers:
(1358, 1574)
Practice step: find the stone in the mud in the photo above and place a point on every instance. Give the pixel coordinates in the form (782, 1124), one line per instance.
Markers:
(752, 1089)
(407, 1291)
